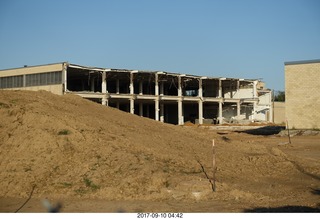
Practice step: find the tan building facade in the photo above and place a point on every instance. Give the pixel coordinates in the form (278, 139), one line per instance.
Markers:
(43, 77)
(302, 82)
(279, 113)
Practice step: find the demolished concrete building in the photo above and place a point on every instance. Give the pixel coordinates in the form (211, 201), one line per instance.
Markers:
(164, 96)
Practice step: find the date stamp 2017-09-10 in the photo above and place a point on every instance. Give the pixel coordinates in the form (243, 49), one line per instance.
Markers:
(160, 215)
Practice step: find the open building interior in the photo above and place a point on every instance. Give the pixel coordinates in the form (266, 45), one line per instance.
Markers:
(167, 97)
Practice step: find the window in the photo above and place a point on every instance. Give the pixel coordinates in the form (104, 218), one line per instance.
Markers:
(12, 81)
(44, 79)
(31, 80)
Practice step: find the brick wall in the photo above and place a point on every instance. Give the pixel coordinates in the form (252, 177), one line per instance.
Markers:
(302, 81)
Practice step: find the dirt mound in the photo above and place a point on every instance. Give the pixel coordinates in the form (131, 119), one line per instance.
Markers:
(71, 148)
(68, 146)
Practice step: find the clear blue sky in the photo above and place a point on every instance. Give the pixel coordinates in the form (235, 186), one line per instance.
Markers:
(230, 38)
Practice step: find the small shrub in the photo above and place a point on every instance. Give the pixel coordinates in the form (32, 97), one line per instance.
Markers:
(64, 132)
(66, 184)
(90, 184)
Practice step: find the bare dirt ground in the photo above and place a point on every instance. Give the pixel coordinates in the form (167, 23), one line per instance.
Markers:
(98, 159)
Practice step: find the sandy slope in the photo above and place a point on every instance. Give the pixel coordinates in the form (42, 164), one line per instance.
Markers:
(70, 148)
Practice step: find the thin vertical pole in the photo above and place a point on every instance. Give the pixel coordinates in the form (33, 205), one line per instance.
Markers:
(214, 168)
(288, 132)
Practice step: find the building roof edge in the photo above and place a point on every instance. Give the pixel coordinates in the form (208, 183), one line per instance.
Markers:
(302, 62)
(30, 66)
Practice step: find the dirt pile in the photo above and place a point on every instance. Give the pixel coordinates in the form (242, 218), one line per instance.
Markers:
(68, 146)
(71, 148)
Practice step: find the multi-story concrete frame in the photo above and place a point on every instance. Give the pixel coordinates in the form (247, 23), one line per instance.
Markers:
(167, 97)
(302, 79)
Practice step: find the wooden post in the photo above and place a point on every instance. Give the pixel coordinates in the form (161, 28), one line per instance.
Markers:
(214, 168)
(288, 131)
(212, 180)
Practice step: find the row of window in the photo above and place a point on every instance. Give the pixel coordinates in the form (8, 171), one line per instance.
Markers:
(43, 79)
(47, 78)
(12, 81)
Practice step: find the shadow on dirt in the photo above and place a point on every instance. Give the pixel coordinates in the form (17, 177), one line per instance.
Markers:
(315, 191)
(288, 208)
(266, 130)
(284, 209)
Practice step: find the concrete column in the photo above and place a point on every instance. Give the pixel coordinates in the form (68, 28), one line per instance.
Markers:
(104, 83)
(220, 88)
(238, 109)
(156, 92)
(271, 108)
(220, 113)
(220, 117)
(161, 112)
(180, 105)
(131, 105)
(200, 109)
(255, 93)
(131, 93)
(179, 86)
(104, 100)
(141, 109)
(140, 87)
(156, 109)
(156, 86)
(237, 94)
(64, 76)
(118, 105)
(200, 103)
(200, 91)
(117, 86)
(131, 88)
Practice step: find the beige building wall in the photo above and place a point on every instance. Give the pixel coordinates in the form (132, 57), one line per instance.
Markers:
(279, 112)
(302, 80)
(56, 88)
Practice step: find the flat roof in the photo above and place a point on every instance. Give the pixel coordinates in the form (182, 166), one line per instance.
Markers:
(302, 62)
(137, 71)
